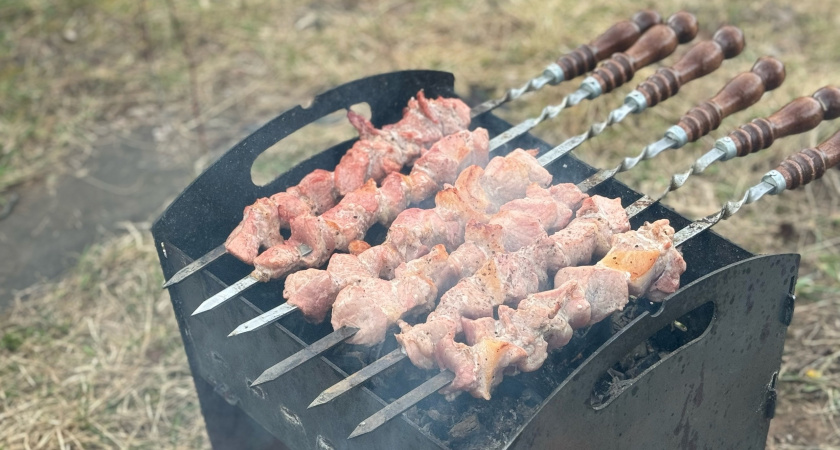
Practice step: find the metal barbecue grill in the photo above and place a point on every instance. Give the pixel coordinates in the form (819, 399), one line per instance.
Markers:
(695, 372)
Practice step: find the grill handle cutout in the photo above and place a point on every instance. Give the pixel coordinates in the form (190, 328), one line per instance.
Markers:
(665, 343)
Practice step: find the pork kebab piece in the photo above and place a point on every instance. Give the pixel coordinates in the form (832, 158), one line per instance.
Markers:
(348, 319)
(389, 149)
(641, 262)
(477, 195)
(797, 170)
(377, 153)
(657, 43)
(379, 303)
(319, 287)
(429, 344)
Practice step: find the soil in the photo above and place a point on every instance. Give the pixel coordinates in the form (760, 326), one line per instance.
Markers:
(124, 179)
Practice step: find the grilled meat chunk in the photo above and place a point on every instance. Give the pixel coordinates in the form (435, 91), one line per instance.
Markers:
(350, 219)
(246, 239)
(376, 154)
(415, 231)
(545, 321)
(509, 277)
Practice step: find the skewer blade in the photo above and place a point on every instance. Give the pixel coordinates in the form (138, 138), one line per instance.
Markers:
(406, 401)
(643, 203)
(700, 225)
(264, 319)
(226, 294)
(359, 377)
(196, 265)
(305, 354)
(534, 84)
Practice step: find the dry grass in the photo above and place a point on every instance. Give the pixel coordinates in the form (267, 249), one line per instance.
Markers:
(73, 71)
(96, 360)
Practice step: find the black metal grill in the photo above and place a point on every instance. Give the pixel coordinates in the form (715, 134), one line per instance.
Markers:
(705, 382)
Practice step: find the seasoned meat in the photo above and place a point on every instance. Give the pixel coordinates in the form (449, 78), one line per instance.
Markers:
(246, 239)
(376, 154)
(544, 321)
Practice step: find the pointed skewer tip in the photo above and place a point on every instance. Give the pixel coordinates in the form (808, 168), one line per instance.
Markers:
(360, 430)
(319, 400)
(260, 380)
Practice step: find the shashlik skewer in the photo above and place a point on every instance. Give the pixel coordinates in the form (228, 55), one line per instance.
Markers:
(418, 282)
(376, 153)
(317, 192)
(737, 91)
(544, 259)
(797, 170)
(701, 60)
(798, 116)
(359, 210)
(654, 45)
(741, 92)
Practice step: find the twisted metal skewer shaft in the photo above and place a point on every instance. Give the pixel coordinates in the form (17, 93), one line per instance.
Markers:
(534, 84)
(650, 151)
(752, 195)
(549, 112)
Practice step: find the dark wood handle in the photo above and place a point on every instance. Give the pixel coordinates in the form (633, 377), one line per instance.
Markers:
(798, 116)
(703, 59)
(741, 92)
(811, 163)
(654, 45)
(617, 38)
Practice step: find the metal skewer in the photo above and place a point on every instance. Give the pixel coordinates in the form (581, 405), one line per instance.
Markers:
(737, 92)
(798, 116)
(654, 45)
(618, 37)
(797, 170)
(236, 288)
(701, 60)
(743, 91)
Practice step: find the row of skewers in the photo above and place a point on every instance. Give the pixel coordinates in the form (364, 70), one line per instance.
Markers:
(482, 260)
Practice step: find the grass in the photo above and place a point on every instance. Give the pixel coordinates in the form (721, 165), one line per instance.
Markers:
(72, 72)
(95, 361)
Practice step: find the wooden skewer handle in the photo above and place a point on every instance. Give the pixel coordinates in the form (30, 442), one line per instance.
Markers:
(811, 163)
(744, 90)
(617, 38)
(703, 59)
(798, 116)
(654, 45)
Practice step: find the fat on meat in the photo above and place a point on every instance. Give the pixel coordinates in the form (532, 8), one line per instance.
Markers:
(544, 321)
(378, 153)
(510, 277)
(640, 254)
